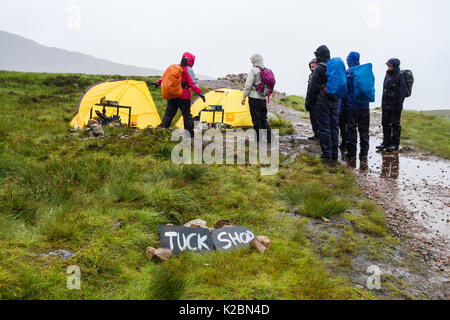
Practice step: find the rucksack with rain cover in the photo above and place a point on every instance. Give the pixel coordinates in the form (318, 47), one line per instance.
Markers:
(409, 78)
(268, 82)
(171, 82)
(363, 84)
(336, 78)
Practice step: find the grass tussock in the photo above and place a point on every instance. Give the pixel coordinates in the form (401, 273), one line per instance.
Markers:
(428, 132)
(294, 102)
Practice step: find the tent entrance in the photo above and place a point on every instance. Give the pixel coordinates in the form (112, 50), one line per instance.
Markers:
(115, 105)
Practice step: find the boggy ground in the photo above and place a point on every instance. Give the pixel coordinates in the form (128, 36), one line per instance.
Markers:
(413, 191)
(97, 203)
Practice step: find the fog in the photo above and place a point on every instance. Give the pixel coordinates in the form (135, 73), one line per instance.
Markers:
(224, 34)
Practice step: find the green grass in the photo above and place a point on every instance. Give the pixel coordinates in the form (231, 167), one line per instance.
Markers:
(427, 132)
(283, 125)
(60, 192)
(294, 102)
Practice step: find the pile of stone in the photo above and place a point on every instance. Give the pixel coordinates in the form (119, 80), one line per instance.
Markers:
(236, 78)
(95, 129)
(260, 243)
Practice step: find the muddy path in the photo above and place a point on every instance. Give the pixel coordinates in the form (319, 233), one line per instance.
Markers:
(413, 189)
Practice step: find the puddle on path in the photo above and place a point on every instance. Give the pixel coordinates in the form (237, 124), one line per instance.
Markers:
(421, 184)
(413, 189)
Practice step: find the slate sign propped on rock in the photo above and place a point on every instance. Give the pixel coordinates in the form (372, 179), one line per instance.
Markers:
(232, 238)
(180, 239)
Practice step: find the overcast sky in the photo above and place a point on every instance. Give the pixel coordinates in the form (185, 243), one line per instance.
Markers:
(224, 34)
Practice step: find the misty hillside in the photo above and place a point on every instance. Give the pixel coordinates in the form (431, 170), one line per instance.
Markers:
(20, 54)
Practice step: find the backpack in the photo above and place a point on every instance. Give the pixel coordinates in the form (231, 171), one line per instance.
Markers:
(336, 78)
(268, 82)
(409, 78)
(363, 84)
(171, 82)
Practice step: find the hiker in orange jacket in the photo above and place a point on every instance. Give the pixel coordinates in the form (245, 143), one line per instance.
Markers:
(183, 102)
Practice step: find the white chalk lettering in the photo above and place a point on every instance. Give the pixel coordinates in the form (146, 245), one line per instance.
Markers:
(221, 239)
(188, 242)
(201, 242)
(171, 235)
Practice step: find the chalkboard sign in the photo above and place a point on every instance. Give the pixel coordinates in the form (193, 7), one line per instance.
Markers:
(232, 238)
(180, 239)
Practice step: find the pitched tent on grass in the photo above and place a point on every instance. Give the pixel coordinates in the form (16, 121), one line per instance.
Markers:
(128, 93)
(236, 115)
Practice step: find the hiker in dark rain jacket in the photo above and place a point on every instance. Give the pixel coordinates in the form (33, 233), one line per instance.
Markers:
(311, 108)
(358, 115)
(327, 107)
(394, 94)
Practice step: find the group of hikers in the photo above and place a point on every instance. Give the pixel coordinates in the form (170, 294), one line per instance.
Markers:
(330, 114)
(332, 110)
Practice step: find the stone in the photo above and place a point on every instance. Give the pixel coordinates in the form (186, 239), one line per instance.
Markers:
(264, 240)
(98, 130)
(271, 116)
(195, 222)
(163, 254)
(228, 222)
(64, 254)
(150, 252)
(201, 226)
(258, 246)
(92, 122)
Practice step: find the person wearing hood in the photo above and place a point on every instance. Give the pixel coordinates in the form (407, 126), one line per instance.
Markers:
(310, 108)
(257, 101)
(394, 94)
(183, 102)
(358, 115)
(327, 107)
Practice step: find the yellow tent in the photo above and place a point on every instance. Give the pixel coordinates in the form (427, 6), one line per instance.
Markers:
(128, 93)
(236, 115)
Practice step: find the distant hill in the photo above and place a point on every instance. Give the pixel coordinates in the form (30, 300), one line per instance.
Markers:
(20, 54)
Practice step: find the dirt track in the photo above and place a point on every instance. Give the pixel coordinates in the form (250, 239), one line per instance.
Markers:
(413, 190)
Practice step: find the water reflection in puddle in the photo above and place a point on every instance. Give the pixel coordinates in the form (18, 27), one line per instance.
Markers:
(420, 184)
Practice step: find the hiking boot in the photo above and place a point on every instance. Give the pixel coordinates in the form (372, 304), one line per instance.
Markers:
(381, 147)
(349, 156)
(313, 139)
(363, 158)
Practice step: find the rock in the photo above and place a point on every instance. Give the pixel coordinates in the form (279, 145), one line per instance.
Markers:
(271, 116)
(64, 254)
(150, 252)
(97, 130)
(161, 254)
(201, 226)
(258, 246)
(119, 224)
(228, 222)
(264, 240)
(92, 122)
(195, 222)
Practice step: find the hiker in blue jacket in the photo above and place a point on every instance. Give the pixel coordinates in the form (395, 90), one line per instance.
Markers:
(394, 94)
(358, 115)
(327, 107)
